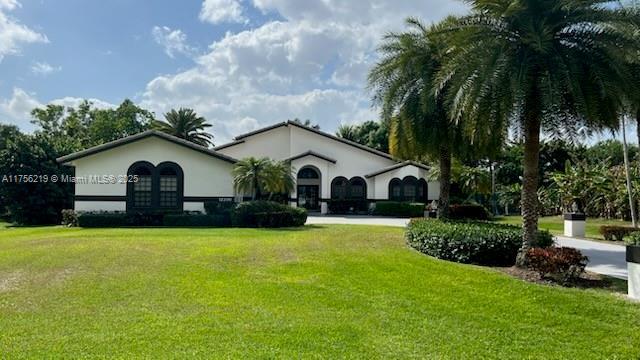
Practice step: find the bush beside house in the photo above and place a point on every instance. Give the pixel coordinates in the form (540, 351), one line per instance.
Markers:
(400, 209)
(263, 214)
(480, 243)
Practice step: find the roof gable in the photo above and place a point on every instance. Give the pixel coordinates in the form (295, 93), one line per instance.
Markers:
(140, 136)
(240, 138)
(397, 166)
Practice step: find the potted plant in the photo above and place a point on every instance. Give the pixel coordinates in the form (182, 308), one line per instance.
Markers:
(633, 264)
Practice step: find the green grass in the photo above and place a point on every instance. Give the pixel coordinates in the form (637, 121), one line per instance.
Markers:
(321, 292)
(555, 224)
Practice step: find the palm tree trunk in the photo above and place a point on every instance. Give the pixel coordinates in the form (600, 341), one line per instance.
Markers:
(627, 171)
(529, 201)
(445, 182)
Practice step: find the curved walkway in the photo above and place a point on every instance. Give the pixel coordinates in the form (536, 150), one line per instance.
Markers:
(606, 259)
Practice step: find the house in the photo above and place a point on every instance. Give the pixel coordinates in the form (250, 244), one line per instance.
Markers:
(156, 171)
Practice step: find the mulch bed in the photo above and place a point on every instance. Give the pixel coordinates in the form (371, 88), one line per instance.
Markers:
(588, 280)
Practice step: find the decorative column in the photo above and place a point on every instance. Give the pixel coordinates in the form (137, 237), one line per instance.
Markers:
(633, 267)
(574, 224)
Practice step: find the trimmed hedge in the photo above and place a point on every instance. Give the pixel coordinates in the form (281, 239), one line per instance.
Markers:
(220, 208)
(480, 243)
(401, 209)
(468, 212)
(347, 206)
(96, 220)
(615, 233)
(123, 219)
(267, 214)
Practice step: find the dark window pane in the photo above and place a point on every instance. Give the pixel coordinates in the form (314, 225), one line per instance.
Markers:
(308, 173)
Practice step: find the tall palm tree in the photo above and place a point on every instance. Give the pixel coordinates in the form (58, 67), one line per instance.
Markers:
(185, 124)
(538, 64)
(346, 131)
(403, 83)
(262, 176)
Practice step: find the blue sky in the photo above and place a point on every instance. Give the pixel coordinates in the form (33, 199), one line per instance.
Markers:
(242, 64)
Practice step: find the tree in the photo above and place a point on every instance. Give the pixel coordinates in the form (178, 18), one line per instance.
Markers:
(262, 176)
(403, 82)
(538, 64)
(37, 201)
(370, 133)
(306, 123)
(185, 124)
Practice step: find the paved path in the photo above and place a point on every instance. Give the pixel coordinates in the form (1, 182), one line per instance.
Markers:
(607, 259)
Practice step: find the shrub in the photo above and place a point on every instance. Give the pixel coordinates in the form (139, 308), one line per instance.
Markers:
(346, 206)
(69, 217)
(193, 220)
(468, 212)
(401, 209)
(267, 214)
(218, 207)
(561, 263)
(633, 239)
(96, 220)
(481, 243)
(615, 233)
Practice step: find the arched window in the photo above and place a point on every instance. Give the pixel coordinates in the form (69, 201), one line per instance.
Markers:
(357, 188)
(339, 188)
(156, 188)
(409, 188)
(308, 173)
(170, 188)
(395, 190)
(423, 191)
(140, 192)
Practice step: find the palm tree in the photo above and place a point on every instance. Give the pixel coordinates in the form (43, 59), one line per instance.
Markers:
(346, 131)
(261, 176)
(538, 64)
(403, 83)
(185, 124)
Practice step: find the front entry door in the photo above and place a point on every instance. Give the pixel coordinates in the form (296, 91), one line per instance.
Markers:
(308, 197)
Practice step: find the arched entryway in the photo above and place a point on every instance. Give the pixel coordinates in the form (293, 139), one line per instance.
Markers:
(308, 188)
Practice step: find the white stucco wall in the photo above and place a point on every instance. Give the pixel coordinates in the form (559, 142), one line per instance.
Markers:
(273, 144)
(382, 182)
(204, 175)
(100, 205)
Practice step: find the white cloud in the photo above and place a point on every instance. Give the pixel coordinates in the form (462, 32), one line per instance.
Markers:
(43, 68)
(221, 11)
(313, 64)
(17, 109)
(13, 34)
(173, 41)
(70, 101)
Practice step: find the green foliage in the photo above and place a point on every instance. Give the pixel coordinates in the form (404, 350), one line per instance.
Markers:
(104, 220)
(267, 214)
(468, 212)
(72, 129)
(123, 219)
(633, 239)
(348, 206)
(564, 264)
(39, 201)
(69, 217)
(400, 209)
(262, 176)
(186, 124)
(467, 242)
(616, 233)
(370, 133)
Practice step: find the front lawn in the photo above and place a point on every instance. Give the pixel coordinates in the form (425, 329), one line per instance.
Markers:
(321, 291)
(555, 224)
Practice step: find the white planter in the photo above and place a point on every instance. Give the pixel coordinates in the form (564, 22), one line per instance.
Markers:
(574, 225)
(633, 267)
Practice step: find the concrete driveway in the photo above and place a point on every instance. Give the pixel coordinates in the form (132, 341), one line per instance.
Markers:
(606, 259)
